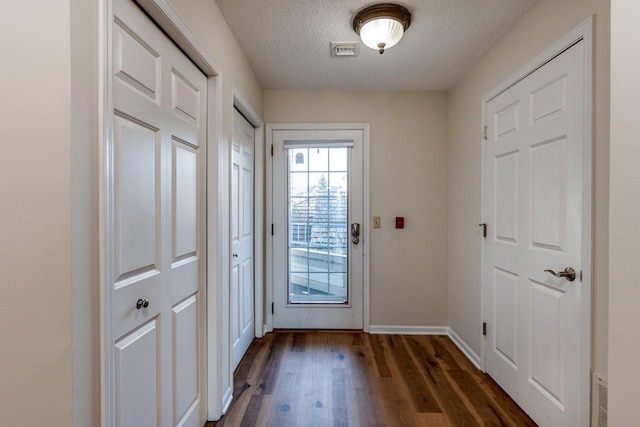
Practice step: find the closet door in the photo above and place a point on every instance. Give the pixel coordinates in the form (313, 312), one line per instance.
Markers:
(157, 226)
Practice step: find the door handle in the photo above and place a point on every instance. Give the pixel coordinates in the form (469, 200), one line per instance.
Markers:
(142, 303)
(568, 273)
(355, 233)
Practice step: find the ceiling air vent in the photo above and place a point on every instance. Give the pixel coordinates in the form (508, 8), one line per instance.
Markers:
(345, 48)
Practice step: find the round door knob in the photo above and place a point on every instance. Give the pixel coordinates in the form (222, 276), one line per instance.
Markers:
(142, 303)
(235, 255)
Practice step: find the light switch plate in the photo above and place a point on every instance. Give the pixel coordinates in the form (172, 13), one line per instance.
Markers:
(376, 222)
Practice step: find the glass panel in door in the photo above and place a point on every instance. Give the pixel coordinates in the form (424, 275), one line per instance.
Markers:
(318, 182)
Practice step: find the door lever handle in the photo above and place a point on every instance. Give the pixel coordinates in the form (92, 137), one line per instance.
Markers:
(568, 273)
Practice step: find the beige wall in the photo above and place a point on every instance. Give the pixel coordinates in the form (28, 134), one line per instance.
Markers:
(84, 213)
(408, 172)
(547, 22)
(35, 214)
(49, 363)
(624, 320)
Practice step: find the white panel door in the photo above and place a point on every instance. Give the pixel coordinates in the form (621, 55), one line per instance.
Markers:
(318, 199)
(157, 227)
(533, 181)
(242, 283)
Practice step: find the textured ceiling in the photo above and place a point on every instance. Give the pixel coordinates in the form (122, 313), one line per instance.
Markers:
(288, 42)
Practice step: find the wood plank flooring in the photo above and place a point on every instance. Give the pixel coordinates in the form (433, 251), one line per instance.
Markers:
(340, 379)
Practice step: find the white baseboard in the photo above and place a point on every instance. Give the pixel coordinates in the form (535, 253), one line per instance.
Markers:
(227, 399)
(429, 330)
(408, 330)
(465, 349)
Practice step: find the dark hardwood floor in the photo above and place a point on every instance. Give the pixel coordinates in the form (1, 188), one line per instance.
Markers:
(319, 378)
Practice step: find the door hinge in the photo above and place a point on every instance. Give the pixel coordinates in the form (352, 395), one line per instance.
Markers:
(272, 229)
(484, 134)
(272, 308)
(484, 229)
(271, 150)
(484, 328)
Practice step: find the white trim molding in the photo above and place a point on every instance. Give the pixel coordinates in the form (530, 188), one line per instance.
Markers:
(583, 32)
(227, 398)
(166, 17)
(366, 274)
(465, 349)
(408, 330)
(241, 104)
(217, 252)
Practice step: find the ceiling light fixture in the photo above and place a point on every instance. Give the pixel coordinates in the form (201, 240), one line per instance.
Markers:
(381, 26)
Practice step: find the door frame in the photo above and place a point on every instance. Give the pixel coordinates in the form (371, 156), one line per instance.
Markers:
(366, 210)
(219, 382)
(241, 104)
(584, 33)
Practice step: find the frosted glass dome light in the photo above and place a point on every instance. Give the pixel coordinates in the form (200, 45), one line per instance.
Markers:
(381, 33)
(381, 26)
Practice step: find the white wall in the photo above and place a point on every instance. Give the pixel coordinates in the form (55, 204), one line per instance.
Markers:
(544, 24)
(408, 172)
(35, 214)
(624, 318)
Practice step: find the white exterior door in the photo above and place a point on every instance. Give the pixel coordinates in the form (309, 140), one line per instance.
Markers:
(156, 227)
(317, 251)
(532, 175)
(242, 279)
